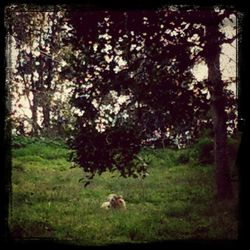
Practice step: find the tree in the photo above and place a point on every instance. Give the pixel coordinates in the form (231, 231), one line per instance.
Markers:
(205, 25)
(127, 54)
(212, 57)
(211, 52)
(38, 40)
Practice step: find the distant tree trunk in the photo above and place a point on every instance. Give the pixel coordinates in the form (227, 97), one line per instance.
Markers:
(46, 116)
(48, 89)
(46, 97)
(223, 180)
(34, 105)
(34, 91)
(34, 114)
(43, 84)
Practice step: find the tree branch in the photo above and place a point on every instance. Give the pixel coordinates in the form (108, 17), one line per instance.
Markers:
(26, 87)
(230, 58)
(230, 40)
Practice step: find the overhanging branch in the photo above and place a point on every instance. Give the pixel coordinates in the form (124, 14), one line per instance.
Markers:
(230, 40)
(230, 58)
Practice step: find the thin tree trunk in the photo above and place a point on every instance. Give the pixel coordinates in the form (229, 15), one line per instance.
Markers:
(48, 89)
(34, 114)
(44, 100)
(223, 180)
(34, 92)
(46, 116)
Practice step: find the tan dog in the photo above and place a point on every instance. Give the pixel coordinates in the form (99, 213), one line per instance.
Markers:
(114, 201)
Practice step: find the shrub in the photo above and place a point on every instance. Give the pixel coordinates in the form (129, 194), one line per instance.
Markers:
(203, 152)
(22, 141)
(45, 148)
(183, 158)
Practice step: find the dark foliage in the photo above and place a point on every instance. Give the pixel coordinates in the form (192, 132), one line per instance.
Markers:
(183, 158)
(156, 77)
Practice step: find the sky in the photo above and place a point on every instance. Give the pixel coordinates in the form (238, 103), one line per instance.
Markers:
(228, 58)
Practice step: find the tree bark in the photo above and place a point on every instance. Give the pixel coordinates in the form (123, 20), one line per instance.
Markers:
(46, 116)
(44, 84)
(34, 92)
(223, 177)
(34, 114)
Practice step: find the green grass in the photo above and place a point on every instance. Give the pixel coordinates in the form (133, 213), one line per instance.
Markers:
(174, 202)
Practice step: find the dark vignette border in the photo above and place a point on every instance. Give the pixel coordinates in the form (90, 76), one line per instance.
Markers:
(243, 122)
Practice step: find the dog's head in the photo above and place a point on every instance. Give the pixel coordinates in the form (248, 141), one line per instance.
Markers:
(116, 201)
(112, 196)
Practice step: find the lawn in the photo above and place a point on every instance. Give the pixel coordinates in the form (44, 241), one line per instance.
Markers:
(175, 201)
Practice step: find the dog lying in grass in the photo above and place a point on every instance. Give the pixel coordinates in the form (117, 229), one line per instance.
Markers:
(114, 202)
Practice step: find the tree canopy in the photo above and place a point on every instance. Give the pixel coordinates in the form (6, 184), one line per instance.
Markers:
(132, 77)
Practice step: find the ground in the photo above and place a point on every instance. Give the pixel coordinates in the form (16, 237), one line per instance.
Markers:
(175, 201)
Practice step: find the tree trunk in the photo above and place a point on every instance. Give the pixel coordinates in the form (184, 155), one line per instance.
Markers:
(223, 180)
(48, 90)
(34, 105)
(34, 114)
(44, 86)
(46, 116)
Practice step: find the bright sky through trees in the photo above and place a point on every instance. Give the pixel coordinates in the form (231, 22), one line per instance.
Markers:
(228, 64)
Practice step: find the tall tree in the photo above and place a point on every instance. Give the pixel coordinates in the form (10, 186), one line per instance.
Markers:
(212, 52)
(38, 40)
(140, 57)
(208, 42)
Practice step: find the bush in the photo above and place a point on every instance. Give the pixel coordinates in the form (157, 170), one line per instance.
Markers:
(183, 158)
(203, 152)
(22, 141)
(45, 148)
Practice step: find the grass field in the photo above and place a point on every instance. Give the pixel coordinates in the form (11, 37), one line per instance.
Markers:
(174, 202)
